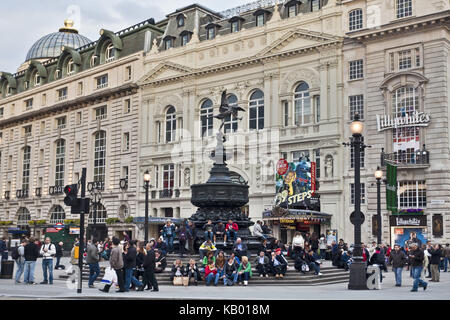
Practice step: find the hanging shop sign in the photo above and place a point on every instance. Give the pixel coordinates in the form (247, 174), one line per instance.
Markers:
(297, 184)
(418, 119)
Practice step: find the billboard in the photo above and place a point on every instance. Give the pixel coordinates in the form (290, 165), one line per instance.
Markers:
(296, 183)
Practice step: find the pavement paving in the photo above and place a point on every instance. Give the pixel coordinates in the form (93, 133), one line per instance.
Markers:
(62, 289)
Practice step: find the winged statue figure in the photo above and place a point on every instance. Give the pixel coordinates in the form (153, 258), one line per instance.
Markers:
(226, 110)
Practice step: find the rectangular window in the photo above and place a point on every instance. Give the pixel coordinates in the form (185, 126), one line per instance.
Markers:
(62, 94)
(184, 40)
(125, 172)
(10, 158)
(61, 123)
(234, 26)
(356, 69)
(79, 117)
(211, 33)
(412, 194)
(292, 11)
(27, 131)
(29, 104)
(417, 50)
(44, 99)
(126, 141)
(156, 177)
(60, 162)
(363, 193)
(406, 143)
(404, 59)
(127, 106)
(41, 156)
(168, 177)
(315, 5)
(302, 108)
(128, 73)
(317, 104)
(404, 8)
(317, 160)
(256, 113)
(80, 88)
(26, 168)
(356, 105)
(286, 113)
(168, 43)
(260, 20)
(1, 112)
(355, 19)
(102, 81)
(11, 135)
(100, 113)
(77, 150)
(361, 156)
(405, 100)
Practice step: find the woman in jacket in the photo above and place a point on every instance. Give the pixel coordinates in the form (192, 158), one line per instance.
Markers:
(193, 272)
(245, 271)
(140, 257)
(160, 262)
(182, 238)
(231, 274)
(177, 270)
(379, 260)
(262, 264)
(209, 258)
(436, 254)
(298, 244)
(220, 264)
(211, 274)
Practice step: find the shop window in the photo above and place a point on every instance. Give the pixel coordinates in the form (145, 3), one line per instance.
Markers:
(412, 194)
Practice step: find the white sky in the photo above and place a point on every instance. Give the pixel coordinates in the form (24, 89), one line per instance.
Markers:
(23, 22)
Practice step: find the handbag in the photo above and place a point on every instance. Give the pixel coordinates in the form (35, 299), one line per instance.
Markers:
(178, 281)
(305, 267)
(185, 281)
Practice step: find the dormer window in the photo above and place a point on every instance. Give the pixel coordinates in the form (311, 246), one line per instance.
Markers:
(210, 33)
(70, 67)
(260, 20)
(37, 79)
(315, 5)
(185, 37)
(93, 61)
(180, 21)
(261, 17)
(236, 23)
(292, 8)
(168, 42)
(109, 54)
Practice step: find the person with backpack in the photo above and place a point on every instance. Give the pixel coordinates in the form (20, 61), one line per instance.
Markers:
(59, 254)
(31, 253)
(378, 259)
(48, 251)
(18, 255)
(182, 237)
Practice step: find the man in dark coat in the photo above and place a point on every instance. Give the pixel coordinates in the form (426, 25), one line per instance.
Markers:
(59, 254)
(416, 257)
(149, 267)
(129, 265)
(398, 260)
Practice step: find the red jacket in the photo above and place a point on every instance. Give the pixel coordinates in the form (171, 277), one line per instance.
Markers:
(207, 271)
(234, 225)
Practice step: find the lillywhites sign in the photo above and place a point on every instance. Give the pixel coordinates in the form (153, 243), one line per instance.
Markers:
(416, 119)
(408, 221)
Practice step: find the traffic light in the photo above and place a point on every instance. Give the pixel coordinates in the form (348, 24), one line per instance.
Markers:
(71, 198)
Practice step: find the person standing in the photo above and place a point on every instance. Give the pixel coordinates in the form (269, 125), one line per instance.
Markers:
(182, 237)
(92, 259)
(3, 249)
(191, 236)
(398, 260)
(149, 267)
(168, 232)
(416, 257)
(48, 251)
(130, 254)
(446, 256)
(20, 261)
(31, 253)
(116, 263)
(59, 254)
(436, 254)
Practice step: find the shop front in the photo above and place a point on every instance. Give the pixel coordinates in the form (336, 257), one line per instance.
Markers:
(155, 225)
(407, 229)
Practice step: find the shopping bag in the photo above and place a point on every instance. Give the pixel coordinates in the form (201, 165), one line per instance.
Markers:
(109, 276)
(185, 281)
(178, 281)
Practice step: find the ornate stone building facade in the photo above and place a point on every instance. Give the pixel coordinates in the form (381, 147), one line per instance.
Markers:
(396, 60)
(69, 108)
(282, 64)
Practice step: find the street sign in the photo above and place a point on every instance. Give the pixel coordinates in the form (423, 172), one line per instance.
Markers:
(59, 226)
(353, 217)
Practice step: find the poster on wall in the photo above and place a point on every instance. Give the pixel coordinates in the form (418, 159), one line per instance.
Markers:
(405, 236)
(438, 223)
(374, 225)
(295, 182)
(331, 236)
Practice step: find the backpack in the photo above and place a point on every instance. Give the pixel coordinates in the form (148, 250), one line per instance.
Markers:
(15, 253)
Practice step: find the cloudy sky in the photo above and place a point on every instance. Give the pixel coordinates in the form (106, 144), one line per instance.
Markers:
(23, 22)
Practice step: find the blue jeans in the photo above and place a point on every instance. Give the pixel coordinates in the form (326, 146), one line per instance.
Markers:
(212, 276)
(445, 264)
(169, 243)
(245, 276)
(417, 271)
(29, 271)
(221, 272)
(94, 271)
(20, 269)
(398, 275)
(130, 278)
(315, 266)
(209, 235)
(47, 264)
(234, 235)
(233, 277)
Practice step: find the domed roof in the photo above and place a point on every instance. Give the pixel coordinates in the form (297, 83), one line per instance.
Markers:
(50, 45)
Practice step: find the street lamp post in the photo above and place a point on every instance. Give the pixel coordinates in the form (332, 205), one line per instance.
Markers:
(146, 187)
(358, 267)
(378, 176)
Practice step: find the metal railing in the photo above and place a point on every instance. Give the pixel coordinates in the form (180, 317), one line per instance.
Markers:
(408, 158)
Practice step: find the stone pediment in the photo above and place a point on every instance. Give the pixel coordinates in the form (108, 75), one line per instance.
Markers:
(165, 70)
(297, 40)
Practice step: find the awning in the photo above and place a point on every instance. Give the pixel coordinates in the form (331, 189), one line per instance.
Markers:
(297, 214)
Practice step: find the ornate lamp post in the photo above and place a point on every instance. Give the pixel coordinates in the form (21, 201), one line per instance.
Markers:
(358, 267)
(95, 190)
(378, 176)
(146, 187)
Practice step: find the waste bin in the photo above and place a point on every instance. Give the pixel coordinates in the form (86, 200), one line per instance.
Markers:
(7, 269)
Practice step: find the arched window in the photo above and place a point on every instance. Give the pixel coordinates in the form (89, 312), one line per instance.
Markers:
(302, 104)
(110, 53)
(256, 110)
(70, 67)
(171, 124)
(405, 100)
(60, 162)
(57, 215)
(355, 19)
(100, 214)
(231, 122)
(206, 118)
(100, 156)
(23, 216)
(26, 168)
